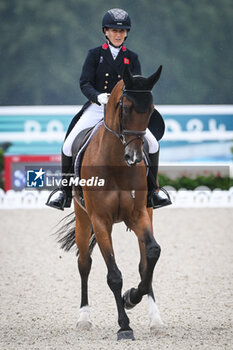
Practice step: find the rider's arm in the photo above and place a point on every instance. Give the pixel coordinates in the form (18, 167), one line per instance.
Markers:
(136, 66)
(87, 78)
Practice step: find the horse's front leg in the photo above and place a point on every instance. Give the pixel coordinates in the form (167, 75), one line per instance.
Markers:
(156, 323)
(114, 277)
(150, 252)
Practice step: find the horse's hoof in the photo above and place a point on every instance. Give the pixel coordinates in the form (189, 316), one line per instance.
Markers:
(84, 321)
(124, 335)
(84, 325)
(126, 300)
(157, 327)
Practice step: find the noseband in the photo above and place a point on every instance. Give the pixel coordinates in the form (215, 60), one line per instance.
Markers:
(138, 134)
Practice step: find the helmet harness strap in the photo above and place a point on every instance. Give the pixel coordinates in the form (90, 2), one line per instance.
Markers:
(109, 42)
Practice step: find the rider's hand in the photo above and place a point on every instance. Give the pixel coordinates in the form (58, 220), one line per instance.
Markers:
(103, 98)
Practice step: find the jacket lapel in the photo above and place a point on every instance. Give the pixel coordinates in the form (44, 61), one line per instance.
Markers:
(106, 53)
(120, 58)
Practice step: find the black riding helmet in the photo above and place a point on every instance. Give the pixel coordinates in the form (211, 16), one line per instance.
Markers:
(116, 18)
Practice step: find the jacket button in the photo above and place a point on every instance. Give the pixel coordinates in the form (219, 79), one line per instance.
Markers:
(118, 76)
(106, 74)
(105, 87)
(106, 82)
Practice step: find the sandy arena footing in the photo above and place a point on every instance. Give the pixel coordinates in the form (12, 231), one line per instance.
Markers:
(40, 284)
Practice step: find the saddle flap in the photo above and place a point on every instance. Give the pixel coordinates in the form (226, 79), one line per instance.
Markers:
(79, 141)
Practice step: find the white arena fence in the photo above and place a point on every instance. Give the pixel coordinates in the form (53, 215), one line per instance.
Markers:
(55, 132)
(201, 197)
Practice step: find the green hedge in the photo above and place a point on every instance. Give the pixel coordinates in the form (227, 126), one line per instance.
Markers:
(211, 181)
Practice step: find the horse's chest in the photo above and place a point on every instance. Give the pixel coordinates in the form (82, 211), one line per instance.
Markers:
(127, 206)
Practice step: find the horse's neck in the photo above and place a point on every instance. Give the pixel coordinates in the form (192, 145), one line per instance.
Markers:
(111, 149)
(111, 117)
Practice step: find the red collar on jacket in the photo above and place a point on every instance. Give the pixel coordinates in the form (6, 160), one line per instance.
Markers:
(105, 47)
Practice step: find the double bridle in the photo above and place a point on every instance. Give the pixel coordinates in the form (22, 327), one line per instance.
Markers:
(138, 134)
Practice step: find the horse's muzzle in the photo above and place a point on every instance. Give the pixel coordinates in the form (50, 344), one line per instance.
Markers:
(132, 158)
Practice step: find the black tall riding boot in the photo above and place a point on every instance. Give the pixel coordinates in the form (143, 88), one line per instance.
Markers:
(65, 197)
(154, 200)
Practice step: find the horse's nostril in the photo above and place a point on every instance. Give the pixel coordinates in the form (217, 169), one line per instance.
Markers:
(130, 161)
(127, 157)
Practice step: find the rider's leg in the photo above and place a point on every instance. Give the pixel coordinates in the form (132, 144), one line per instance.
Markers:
(65, 196)
(154, 200)
(91, 116)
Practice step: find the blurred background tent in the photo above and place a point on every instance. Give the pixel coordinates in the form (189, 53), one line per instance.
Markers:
(43, 45)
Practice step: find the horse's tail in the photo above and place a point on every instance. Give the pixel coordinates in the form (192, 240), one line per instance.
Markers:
(66, 234)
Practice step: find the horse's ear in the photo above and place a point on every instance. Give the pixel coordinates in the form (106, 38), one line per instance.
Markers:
(127, 76)
(152, 80)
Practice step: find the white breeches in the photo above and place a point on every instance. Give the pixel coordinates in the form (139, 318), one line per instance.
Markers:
(91, 116)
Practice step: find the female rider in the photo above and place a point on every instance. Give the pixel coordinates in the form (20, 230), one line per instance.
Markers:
(101, 71)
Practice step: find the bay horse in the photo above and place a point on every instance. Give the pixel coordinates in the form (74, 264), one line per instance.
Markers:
(115, 153)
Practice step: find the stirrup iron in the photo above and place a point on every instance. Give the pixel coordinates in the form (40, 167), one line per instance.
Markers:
(51, 194)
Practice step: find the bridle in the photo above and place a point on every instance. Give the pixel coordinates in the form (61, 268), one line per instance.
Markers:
(138, 134)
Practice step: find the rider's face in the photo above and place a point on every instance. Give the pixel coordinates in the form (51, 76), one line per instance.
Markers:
(116, 36)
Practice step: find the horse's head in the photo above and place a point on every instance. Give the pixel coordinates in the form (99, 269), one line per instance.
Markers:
(128, 112)
(135, 109)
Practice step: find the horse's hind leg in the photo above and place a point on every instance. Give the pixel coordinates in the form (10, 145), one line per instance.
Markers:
(82, 237)
(155, 320)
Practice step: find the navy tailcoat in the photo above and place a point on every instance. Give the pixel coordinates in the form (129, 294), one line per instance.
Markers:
(100, 73)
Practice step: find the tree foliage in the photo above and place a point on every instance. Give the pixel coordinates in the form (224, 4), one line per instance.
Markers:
(43, 45)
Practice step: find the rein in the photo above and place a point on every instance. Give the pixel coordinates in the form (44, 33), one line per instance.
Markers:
(125, 132)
